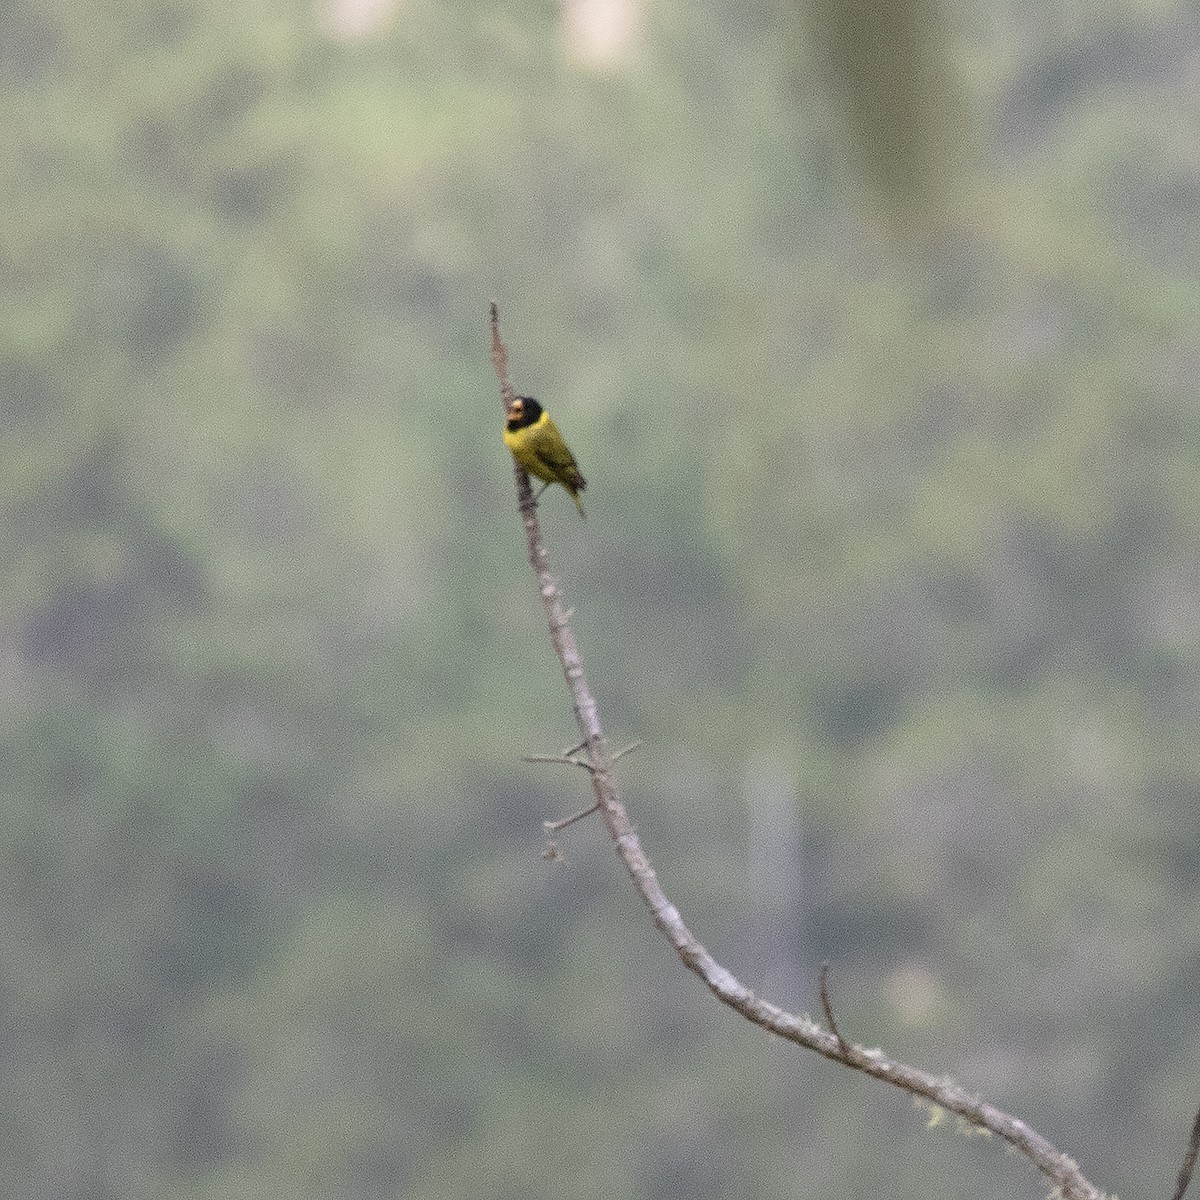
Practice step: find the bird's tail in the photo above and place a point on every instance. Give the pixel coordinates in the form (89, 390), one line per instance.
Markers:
(578, 503)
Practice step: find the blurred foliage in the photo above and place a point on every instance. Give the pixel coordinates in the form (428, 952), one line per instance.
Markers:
(912, 528)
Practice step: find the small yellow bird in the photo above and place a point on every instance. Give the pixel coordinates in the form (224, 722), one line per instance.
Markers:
(537, 446)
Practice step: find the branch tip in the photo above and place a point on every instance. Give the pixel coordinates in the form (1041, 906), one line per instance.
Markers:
(500, 359)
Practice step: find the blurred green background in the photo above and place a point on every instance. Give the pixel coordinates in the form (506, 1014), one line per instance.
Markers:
(875, 330)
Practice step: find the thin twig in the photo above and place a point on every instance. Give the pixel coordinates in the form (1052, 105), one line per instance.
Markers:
(721, 982)
(555, 826)
(1189, 1161)
(837, 1033)
(562, 759)
(624, 750)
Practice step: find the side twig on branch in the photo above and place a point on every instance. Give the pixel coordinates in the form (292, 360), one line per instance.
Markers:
(730, 990)
(837, 1033)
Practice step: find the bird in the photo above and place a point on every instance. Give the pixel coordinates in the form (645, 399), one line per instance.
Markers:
(538, 447)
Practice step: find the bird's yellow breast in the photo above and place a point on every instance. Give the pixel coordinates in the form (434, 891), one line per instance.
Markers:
(525, 443)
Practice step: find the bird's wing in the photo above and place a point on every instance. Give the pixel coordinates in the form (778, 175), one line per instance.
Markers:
(555, 455)
(558, 459)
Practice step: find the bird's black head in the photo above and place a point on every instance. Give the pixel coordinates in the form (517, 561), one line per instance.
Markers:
(524, 412)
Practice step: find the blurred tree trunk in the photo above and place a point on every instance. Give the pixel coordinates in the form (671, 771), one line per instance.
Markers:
(890, 62)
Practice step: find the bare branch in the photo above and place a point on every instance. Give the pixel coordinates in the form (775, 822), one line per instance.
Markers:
(1189, 1161)
(624, 750)
(722, 983)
